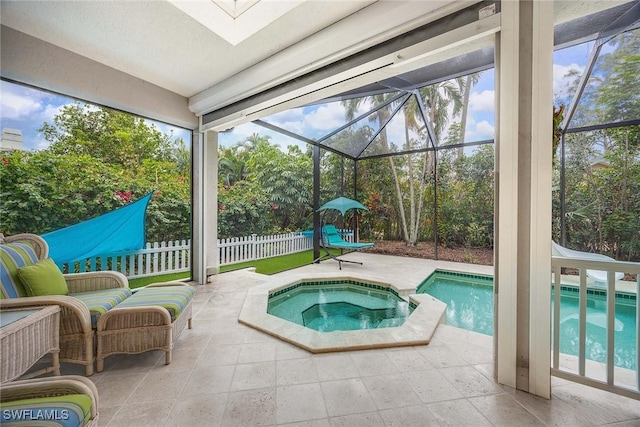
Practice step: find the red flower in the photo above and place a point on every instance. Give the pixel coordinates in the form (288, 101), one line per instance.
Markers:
(222, 207)
(274, 206)
(5, 161)
(123, 195)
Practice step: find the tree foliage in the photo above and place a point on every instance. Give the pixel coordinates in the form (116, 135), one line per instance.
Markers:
(98, 159)
(258, 180)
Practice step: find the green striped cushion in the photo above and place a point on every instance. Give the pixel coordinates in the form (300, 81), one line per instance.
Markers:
(12, 257)
(173, 298)
(70, 410)
(99, 302)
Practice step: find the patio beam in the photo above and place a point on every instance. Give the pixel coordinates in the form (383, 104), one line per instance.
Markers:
(299, 137)
(426, 149)
(316, 203)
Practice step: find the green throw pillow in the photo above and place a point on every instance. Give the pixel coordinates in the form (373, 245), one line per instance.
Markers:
(43, 278)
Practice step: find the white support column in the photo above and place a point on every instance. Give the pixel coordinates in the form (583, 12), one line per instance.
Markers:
(541, 206)
(205, 206)
(198, 269)
(211, 202)
(524, 56)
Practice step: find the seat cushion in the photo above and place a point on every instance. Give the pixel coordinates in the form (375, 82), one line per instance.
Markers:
(99, 302)
(12, 257)
(173, 298)
(43, 278)
(70, 410)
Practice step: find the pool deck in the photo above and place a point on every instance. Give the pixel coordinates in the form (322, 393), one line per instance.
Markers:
(225, 373)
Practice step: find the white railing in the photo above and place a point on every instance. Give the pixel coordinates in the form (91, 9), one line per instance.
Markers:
(604, 375)
(174, 257)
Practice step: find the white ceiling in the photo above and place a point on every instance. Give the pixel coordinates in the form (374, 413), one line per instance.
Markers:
(162, 44)
(157, 42)
(178, 45)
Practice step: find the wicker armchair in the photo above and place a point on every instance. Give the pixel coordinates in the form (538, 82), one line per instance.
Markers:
(60, 396)
(76, 333)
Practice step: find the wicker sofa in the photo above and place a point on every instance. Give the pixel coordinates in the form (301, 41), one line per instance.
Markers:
(62, 401)
(90, 295)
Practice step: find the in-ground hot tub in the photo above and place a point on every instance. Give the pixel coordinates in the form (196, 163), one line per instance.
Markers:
(334, 313)
(333, 305)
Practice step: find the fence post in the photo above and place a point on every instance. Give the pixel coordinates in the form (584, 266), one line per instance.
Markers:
(254, 254)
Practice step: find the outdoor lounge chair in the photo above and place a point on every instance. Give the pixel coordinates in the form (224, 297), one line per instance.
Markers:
(331, 239)
(596, 275)
(86, 297)
(55, 401)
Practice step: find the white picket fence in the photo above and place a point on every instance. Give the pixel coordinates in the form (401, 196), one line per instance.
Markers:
(156, 258)
(174, 257)
(249, 248)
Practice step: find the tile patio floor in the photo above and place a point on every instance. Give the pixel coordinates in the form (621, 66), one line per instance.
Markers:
(226, 374)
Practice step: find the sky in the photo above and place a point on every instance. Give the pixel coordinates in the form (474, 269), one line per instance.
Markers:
(27, 109)
(318, 120)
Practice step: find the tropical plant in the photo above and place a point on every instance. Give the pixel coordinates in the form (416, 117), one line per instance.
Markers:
(99, 159)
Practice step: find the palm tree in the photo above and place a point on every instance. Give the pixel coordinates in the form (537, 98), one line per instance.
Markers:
(232, 164)
(437, 99)
(381, 116)
(469, 81)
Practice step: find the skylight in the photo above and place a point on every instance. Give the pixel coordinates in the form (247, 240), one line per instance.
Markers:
(236, 20)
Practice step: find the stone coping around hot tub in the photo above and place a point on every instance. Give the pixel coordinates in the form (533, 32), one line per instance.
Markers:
(287, 280)
(417, 329)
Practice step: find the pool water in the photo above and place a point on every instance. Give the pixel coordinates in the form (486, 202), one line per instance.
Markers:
(469, 300)
(339, 306)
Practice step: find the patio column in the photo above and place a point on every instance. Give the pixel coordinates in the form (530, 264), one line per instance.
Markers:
(524, 79)
(205, 206)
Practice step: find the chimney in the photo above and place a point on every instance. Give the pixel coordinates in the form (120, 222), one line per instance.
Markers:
(11, 140)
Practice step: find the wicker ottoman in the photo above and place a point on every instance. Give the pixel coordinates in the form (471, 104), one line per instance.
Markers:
(150, 319)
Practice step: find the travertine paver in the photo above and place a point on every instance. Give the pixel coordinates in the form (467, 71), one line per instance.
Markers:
(211, 385)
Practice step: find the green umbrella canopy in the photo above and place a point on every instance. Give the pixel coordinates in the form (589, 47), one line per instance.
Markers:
(342, 204)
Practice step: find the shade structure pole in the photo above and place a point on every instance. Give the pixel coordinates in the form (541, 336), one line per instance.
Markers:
(342, 176)
(316, 203)
(435, 204)
(434, 143)
(563, 196)
(355, 197)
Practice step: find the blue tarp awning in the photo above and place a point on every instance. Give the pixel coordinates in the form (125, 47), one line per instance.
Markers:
(119, 231)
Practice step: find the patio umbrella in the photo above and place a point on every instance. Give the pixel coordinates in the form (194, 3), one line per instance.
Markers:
(343, 204)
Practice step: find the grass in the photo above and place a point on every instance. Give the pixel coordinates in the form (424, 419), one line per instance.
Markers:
(144, 281)
(263, 266)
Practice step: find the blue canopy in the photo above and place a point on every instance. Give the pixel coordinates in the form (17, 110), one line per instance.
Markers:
(342, 204)
(119, 231)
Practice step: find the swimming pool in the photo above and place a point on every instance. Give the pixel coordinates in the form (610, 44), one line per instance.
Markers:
(327, 306)
(469, 300)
